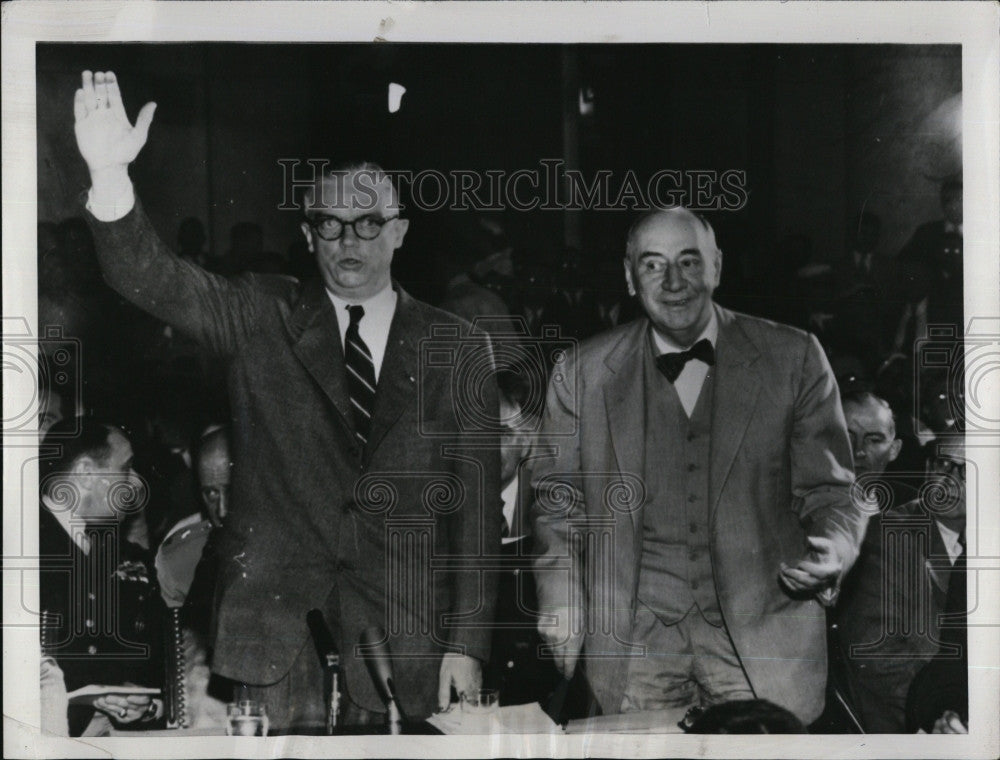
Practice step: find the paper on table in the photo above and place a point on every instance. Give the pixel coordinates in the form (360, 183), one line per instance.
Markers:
(646, 722)
(87, 694)
(171, 732)
(513, 719)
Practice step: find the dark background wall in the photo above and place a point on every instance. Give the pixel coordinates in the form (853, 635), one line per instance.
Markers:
(822, 132)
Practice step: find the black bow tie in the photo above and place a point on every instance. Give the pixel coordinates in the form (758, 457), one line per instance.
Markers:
(672, 364)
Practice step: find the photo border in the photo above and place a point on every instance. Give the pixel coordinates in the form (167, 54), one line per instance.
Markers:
(971, 24)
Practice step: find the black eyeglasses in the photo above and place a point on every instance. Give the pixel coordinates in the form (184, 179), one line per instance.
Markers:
(364, 227)
(948, 466)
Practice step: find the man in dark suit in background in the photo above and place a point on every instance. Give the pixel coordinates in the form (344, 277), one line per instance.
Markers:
(515, 667)
(890, 613)
(931, 264)
(865, 299)
(348, 448)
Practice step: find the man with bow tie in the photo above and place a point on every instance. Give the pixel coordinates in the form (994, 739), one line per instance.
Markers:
(693, 529)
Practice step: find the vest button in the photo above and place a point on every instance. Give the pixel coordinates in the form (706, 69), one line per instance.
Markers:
(693, 527)
(693, 556)
(692, 467)
(692, 497)
(694, 584)
(691, 436)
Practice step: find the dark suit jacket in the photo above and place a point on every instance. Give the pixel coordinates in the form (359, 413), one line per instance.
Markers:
(319, 522)
(780, 470)
(931, 267)
(866, 308)
(889, 614)
(944, 683)
(892, 598)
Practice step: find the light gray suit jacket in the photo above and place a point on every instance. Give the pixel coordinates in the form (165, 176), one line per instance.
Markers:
(780, 469)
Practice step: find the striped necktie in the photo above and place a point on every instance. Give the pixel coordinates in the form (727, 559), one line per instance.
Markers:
(360, 375)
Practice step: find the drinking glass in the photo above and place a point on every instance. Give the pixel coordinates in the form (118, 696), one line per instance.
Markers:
(246, 718)
(481, 702)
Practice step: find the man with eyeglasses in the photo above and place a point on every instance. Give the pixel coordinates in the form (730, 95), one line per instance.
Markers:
(332, 472)
(890, 614)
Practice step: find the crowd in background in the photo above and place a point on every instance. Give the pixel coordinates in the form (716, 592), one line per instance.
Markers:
(877, 317)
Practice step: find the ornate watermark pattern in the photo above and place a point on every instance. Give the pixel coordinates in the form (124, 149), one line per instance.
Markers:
(42, 374)
(957, 371)
(465, 361)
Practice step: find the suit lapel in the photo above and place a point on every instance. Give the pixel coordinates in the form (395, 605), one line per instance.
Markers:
(624, 399)
(520, 526)
(735, 394)
(937, 556)
(397, 381)
(316, 336)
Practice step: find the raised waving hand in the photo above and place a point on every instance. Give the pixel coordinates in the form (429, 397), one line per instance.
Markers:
(106, 139)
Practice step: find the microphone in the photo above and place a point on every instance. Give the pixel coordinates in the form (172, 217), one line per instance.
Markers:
(378, 658)
(329, 660)
(321, 636)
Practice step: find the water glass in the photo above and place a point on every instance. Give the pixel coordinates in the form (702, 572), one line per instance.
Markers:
(481, 702)
(246, 718)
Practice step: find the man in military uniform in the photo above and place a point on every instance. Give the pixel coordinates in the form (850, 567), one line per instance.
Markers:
(101, 608)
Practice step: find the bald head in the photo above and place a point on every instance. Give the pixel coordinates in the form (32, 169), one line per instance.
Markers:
(214, 474)
(872, 431)
(673, 265)
(657, 221)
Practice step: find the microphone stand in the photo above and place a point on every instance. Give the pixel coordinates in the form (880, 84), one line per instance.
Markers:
(378, 658)
(329, 659)
(332, 691)
(393, 715)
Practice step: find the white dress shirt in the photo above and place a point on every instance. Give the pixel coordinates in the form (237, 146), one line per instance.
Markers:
(951, 539)
(124, 202)
(692, 377)
(509, 496)
(374, 325)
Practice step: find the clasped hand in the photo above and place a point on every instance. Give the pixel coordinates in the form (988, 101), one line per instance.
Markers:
(463, 672)
(818, 571)
(564, 638)
(128, 709)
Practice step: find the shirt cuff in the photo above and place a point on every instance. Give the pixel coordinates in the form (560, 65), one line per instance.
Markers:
(828, 596)
(112, 212)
